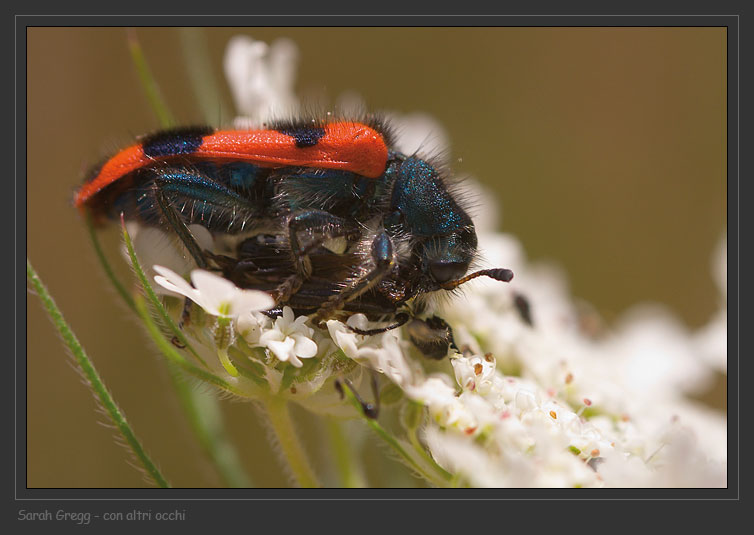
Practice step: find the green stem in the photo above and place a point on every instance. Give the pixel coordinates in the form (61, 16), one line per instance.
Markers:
(351, 475)
(201, 408)
(414, 438)
(285, 433)
(106, 265)
(174, 356)
(95, 382)
(156, 303)
(201, 73)
(148, 81)
(436, 479)
(203, 412)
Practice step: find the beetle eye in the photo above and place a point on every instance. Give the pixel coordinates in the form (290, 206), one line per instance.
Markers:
(443, 271)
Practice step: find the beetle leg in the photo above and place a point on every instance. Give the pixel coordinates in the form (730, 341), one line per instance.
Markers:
(400, 320)
(440, 324)
(306, 232)
(383, 260)
(186, 313)
(287, 288)
(162, 184)
(371, 410)
(185, 320)
(431, 336)
(174, 189)
(174, 220)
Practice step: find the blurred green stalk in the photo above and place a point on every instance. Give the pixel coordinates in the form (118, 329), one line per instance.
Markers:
(276, 410)
(148, 81)
(350, 473)
(95, 382)
(440, 477)
(201, 74)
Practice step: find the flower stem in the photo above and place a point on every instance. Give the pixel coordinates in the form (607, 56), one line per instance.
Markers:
(201, 408)
(148, 81)
(351, 475)
(106, 265)
(174, 356)
(156, 303)
(200, 71)
(290, 446)
(205, 417)
(407, 458)
(92, 376)
(437, 479)
(414, 439)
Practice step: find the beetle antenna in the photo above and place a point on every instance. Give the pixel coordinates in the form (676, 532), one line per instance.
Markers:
(499, 274)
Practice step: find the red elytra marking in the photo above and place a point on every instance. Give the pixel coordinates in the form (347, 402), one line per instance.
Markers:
(353, 147)
(126, 161)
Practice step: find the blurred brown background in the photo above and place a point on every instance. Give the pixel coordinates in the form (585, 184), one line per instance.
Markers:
(606, 148)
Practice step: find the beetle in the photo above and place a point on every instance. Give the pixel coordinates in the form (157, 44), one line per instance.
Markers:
(324, 215)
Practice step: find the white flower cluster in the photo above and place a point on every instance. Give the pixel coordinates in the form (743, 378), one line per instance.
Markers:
(532, 399)
(619, 403)
(235, 314)
(578, 412)
(572, 411)
(261, 78)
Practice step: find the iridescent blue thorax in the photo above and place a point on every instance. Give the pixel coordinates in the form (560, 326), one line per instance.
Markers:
(423, 209)
(426, 206)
